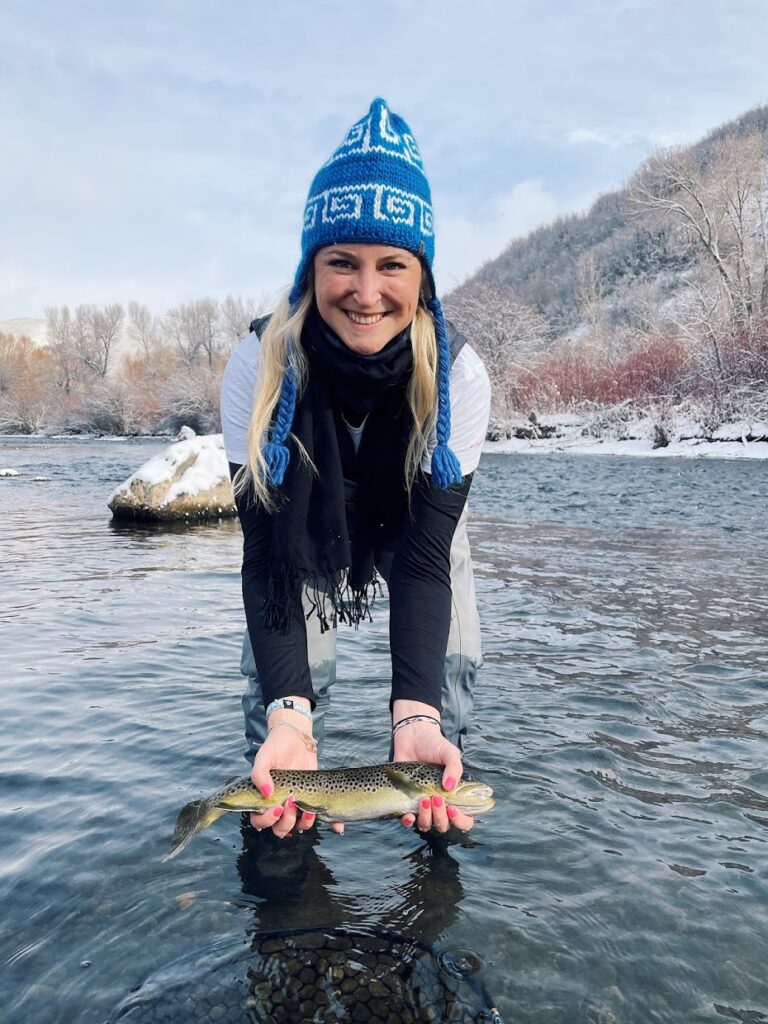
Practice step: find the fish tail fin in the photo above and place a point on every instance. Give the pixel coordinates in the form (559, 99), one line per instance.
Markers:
(193, 819)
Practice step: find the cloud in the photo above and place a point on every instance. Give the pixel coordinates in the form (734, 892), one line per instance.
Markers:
(464, 243)
(167, 147)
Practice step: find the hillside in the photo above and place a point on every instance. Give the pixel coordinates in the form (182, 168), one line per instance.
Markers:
(614, 247)
(659, 293)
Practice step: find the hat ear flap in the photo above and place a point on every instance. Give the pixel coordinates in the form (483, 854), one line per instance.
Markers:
(446, 468)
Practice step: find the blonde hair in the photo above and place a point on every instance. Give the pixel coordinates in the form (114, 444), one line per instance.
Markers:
(279, 347)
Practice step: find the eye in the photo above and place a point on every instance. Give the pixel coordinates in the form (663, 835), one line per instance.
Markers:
(394, 265)
(337, 261)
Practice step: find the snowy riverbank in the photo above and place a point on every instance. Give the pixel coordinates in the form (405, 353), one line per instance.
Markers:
(743, 439)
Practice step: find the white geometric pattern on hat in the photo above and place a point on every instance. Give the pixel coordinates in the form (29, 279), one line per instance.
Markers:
(384, 203)
(366, 137)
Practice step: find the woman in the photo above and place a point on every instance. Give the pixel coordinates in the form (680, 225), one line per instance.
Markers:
(353, 420)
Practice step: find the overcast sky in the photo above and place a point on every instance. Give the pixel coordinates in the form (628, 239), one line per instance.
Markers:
(161, 151)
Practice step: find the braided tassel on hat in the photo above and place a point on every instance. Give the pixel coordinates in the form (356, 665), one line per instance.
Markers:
(446, 469)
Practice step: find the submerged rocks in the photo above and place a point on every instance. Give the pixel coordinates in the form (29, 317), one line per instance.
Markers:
(188, 481)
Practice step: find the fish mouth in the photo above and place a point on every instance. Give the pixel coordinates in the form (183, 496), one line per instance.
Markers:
(474, 798)
(473, 809)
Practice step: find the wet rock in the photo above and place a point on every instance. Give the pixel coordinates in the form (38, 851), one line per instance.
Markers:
(188, 481)
(310, 941)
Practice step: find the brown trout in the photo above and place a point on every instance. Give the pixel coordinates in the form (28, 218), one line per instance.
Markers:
(336, 794)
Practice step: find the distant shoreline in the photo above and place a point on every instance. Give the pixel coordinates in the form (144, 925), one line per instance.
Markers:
(568, 434)
(568, 439)
(634, 448)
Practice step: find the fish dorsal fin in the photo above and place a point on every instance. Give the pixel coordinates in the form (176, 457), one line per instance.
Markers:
(401, 781)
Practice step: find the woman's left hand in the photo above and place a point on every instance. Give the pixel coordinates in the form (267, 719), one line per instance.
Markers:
(423, 741)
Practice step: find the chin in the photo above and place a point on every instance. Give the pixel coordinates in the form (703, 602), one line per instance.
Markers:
(366, 345)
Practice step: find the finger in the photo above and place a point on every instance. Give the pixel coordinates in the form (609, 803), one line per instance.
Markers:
(337, 827)
(262, 780)
(306, 821)
(425, 815)
(439, 814)
(407, 820)
(264, 819)
(461, 821)
(453, 769)
(286, 819)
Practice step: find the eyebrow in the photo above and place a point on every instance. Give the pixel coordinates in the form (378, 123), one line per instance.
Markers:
(353, 256)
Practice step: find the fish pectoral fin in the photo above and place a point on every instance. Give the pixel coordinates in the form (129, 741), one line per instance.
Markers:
(233, 804)
(401, 781)
(304, 805)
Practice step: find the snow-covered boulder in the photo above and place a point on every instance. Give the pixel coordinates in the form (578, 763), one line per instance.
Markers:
(189, 480)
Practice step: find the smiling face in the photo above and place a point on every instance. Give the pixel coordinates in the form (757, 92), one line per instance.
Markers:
(366, 293)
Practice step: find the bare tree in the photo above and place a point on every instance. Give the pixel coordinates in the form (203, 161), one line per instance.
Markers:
(195, 329)
(25, 391)
(95, 331)
(720, 205)
(591, 289)
(60, 335)
(507, 335)
(237, 314)
(147, 329)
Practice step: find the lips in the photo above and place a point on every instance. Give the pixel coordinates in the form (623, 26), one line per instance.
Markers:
(365, 321)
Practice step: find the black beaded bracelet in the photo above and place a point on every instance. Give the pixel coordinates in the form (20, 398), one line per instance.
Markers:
(415, 718)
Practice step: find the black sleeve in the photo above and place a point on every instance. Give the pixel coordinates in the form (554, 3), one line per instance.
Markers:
(281, 658)
(420, 591)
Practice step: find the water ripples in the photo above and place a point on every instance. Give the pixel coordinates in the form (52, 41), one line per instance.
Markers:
(622, 718)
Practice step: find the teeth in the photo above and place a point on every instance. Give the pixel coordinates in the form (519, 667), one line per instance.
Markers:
(358, 318)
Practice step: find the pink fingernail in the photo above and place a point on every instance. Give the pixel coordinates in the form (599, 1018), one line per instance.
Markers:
(308, 815)
(426, 803)
(277, 811)
(291, 802)
(450, 783)
(266, 789)
(452, 813)
(437, 801)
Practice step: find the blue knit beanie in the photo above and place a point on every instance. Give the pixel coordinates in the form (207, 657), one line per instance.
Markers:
(373, 189)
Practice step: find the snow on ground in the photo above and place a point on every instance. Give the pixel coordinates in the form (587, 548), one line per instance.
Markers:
(576, 436)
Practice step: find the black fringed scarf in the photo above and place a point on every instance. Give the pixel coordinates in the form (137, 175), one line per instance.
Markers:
(312, 541)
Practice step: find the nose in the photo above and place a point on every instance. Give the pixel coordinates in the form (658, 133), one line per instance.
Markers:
(366, 287)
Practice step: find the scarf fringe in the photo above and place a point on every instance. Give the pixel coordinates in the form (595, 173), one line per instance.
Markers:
(332, 598)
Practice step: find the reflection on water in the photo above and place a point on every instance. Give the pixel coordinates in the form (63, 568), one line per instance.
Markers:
(310, 964)
(622, 720)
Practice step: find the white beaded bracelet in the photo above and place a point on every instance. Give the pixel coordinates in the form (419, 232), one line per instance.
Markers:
(289, 705)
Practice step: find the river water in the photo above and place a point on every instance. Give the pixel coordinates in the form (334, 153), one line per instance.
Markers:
(622, 718)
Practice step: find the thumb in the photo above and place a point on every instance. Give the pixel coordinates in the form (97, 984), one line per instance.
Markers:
(261, 778)
(453, 768)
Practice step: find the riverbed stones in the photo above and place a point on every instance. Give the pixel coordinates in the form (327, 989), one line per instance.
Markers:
(188, 481)
(285, 978)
